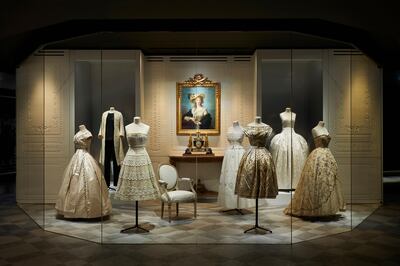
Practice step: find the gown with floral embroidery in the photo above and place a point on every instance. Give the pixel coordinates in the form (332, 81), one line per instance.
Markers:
(318, 192)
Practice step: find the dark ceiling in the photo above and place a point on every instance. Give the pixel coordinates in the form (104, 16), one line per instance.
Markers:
(206, 27)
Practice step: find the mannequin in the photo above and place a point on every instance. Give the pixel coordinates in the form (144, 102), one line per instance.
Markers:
(319, 190)
(288, 116)
(319, 130)
(256, 177)
(233, 154)
(82, 128)
(137, 127)
(83, 193)
(111, 133)
(137, 180)
(289, 151)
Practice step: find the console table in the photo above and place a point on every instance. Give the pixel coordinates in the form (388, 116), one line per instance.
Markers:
(177, 156)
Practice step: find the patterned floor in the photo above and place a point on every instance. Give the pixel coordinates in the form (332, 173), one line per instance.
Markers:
(376, 241)
(211, 226)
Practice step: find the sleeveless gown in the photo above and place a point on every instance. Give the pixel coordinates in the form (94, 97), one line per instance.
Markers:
(84, 192)
(319, 191)
(137, 180)
(283, 146)
(226, 192)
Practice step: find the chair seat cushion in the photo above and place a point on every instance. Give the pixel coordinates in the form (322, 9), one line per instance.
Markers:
(178, 196)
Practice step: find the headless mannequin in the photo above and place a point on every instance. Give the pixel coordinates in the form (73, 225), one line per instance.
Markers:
(236, 129)
(320, 130)
(110, 151)
(82, 128)
(137, 127)
(259, 125)
(288, 115)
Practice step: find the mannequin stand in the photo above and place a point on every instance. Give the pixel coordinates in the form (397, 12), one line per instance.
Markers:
(137, 227)
(238, 210)
(256, 226)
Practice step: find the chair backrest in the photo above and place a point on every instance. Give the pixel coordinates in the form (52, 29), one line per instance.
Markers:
(168, 173)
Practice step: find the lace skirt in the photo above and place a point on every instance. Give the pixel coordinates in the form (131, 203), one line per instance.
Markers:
(137, 180)
(319, 191)
(256, 177)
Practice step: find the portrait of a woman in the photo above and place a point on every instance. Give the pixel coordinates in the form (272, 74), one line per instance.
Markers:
(197, 116)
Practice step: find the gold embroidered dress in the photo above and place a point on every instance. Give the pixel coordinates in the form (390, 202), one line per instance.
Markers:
(318, 192)
(256, 177)
(84, 192)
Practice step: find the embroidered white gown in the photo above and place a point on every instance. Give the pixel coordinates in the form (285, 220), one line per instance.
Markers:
(226, 192)
(137, 180)
(283, 145)
(319, 190)
(84, 192)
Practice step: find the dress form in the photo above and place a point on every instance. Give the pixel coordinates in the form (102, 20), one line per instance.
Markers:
(288, 117)
(232, 157)
(82, 128)
(319, 130)
(257, 166)
(137, 127)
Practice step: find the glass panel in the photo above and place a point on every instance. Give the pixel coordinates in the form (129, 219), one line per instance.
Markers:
(118, 83)
(365, 106)
(30, 137)
(72, 186)
(276, 110)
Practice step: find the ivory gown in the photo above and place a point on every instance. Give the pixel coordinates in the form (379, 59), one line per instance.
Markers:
(84, 192)
(283, 146)
(319, 191)
(226, 192)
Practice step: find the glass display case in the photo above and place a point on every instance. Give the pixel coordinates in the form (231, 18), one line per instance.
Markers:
(295, 139)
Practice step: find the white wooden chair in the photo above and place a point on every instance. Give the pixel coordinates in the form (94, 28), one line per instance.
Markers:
(174, 189)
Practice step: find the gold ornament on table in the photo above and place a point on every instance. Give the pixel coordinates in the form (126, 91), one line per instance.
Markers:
(198, 144)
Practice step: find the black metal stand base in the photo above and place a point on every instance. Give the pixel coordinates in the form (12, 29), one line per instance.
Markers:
(236, 209)
(256, 226)
(137, 228)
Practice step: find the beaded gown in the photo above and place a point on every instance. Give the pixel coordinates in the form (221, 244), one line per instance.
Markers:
(84, 192)
(319, 191)
(256, 177)
(137, 180)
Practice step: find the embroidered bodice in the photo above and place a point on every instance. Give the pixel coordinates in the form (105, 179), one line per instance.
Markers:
(258, 135)
(322, 141)
(136, 140)
(83, 139)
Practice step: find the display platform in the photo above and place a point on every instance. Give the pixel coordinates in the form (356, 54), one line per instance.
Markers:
(212, 226)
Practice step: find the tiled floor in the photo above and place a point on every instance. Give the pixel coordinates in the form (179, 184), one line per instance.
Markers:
(211, 226)
(376, 241)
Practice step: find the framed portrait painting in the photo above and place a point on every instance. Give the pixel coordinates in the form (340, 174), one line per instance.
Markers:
(198, 106)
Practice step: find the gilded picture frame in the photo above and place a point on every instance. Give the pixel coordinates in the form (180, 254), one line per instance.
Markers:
(198, 103)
